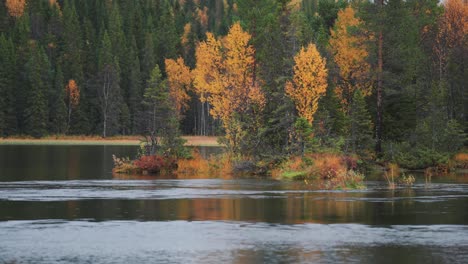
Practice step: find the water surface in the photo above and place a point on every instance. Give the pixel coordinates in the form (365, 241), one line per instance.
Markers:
(61, 204)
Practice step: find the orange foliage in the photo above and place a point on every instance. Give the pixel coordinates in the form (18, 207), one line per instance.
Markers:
(350, 54)
(309, 82)
(224, 76)
(326, 170)
(203, 17)
(53, 3)
(461, 160)
(329, 165)
(73, 93)
(180, 79)
(453, 29)
(199, 167)
(455, 21)
(15, 7)
(207, 74)
(185, 37)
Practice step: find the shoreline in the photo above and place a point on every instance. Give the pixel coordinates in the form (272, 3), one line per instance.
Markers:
(198, 141)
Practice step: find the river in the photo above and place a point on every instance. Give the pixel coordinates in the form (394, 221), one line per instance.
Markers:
(61, 204)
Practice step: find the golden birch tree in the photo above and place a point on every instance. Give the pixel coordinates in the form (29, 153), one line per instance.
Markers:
(180, 80)
(224, 77)
(309, 82)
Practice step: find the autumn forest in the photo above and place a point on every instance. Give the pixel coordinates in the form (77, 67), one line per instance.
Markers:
(382, 80)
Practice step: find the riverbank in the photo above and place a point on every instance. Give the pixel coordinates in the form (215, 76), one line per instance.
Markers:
(200, 141)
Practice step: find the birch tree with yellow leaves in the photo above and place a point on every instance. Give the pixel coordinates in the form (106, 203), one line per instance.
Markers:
(224, 77)
(309, 82)
(179, 79)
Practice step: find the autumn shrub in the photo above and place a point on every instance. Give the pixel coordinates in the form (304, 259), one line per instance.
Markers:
(328, 166)
(461, 160)
(155, 164)
(197, 166)
(326, 170)
(124, 165)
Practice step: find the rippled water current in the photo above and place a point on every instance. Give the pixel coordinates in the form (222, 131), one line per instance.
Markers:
(61, 204)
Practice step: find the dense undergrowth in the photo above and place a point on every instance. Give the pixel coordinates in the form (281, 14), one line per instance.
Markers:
(326, 170)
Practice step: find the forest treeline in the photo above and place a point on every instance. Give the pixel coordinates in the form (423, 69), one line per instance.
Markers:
(275, 76)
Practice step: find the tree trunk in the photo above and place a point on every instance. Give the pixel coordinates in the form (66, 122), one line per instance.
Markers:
(378, 144)
(104, 134)
(69, 115)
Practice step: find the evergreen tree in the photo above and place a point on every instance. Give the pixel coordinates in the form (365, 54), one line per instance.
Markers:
(57, 107)
(163, 125)
(135, 91)
(116, 34)
(21, 37)
(148, 58)
(108, 88)
(36, 114)
(360, 136)
(72, 48)
(7, 85)
(167, 39)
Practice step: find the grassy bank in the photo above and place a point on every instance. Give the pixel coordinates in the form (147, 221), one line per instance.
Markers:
(201, 141)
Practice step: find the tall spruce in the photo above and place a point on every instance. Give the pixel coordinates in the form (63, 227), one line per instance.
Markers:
(8, 125)
(36, 112)
(57, 107)
(108, 88)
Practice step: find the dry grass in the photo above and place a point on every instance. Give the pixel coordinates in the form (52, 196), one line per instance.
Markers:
(391, 174)
(218, 166)
(97, 140)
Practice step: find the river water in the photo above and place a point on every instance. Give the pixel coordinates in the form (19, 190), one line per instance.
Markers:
(61, 204)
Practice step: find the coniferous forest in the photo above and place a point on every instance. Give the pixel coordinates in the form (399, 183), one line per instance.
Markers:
(381, 79)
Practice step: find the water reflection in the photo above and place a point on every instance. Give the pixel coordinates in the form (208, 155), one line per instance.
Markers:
(66, 198)
(58, 162)
(232, 200)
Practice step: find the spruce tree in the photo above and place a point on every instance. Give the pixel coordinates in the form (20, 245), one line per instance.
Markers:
(57, 107)
(36, 112)
(162, 118)
(360, 136)
(8, 123)
(135, 90)
(108, 89)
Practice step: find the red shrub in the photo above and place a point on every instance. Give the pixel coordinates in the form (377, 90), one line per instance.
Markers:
(155, 164)
(351, 162)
